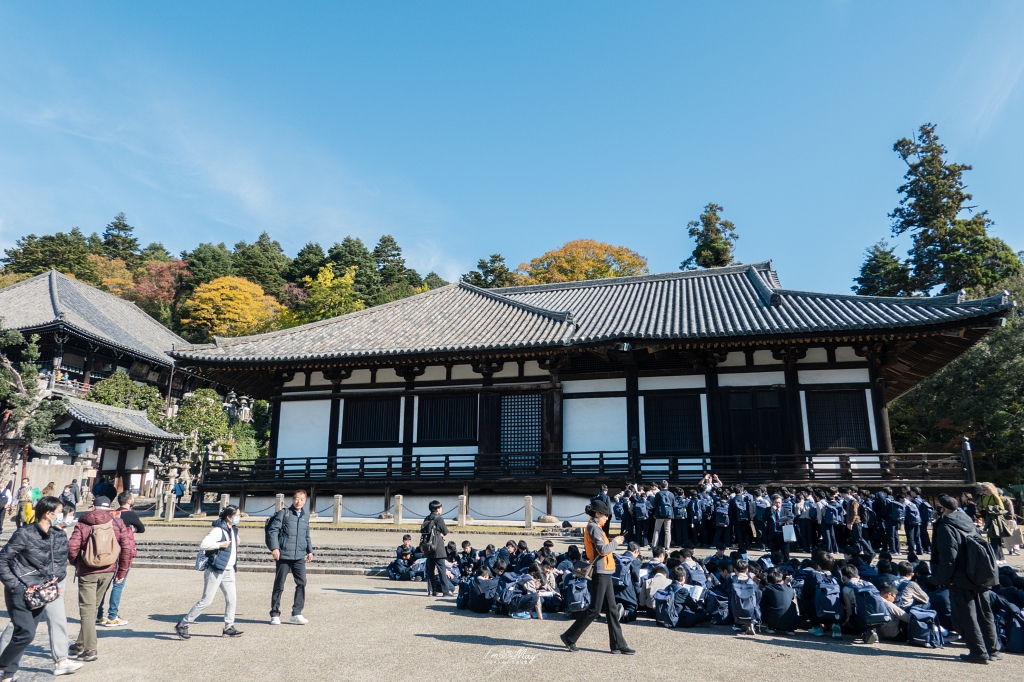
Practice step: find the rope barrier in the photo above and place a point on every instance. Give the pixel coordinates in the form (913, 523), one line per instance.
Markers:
(259, 511)
(477, 514)
(412, 513)
(365, 516)
(545, 513)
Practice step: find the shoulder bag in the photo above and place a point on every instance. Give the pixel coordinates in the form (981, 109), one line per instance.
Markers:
(38, 596)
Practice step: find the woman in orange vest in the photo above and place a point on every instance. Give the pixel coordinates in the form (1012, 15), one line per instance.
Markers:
(602, 592)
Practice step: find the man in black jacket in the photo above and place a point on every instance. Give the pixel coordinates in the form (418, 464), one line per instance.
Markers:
(972, 610)
(289, 542)
(434, 530)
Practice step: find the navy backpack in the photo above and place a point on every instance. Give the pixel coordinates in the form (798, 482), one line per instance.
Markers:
(923, 629)
(828, 604)
(743, 603)
(870, 608)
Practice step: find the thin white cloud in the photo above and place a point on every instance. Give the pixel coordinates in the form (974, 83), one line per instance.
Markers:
(991, 69)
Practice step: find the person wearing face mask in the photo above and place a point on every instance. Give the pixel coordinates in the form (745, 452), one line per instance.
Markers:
(221, 547)
(36, 553)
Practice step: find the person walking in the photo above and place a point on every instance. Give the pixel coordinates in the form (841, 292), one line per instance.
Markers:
(432, 533)
(221, 547)
(289, 542)
(131, 520)
(602, 590)
(100, 551)
(993, 513)
(6, 502)
(36, 554)
(76, 493)
(179, 492)
(971, 608)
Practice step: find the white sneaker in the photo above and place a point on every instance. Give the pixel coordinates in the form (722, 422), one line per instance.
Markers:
(275, 620)
(298, 620)
(66, 667)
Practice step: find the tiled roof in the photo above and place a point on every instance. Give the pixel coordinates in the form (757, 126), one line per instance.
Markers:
(53, 298)
(732, 302)
(49, 450)
(117, 420)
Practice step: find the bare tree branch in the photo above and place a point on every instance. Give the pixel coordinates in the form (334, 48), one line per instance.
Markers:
(17, 383)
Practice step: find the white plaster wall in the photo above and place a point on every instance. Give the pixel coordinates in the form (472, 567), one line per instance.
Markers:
(752, 379)
(735, 359)
(136, 458)
(594, 424)
(834, 376)
(510, 370)
(764, 357)
(298, 380)
(304, 430)
(318, 379)
(359, 376)
(433, 373)
(817, 355)
(594, 386)
(532, 368)
(386, 375)
(464, 372)
(847, 354)
(659, 383)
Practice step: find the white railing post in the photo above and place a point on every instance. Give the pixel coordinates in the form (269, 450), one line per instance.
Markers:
(528, 512)
(337, 509)
(462, 511)
(278, 502)
(398, 510)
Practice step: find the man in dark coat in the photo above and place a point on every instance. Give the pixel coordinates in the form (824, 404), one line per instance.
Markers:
(436, 551)
(289, 542)
(972, 609)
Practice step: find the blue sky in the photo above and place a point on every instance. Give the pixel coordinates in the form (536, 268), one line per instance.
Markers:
(466, 129)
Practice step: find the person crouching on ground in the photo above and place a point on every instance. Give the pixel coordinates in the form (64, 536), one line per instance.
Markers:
(221, 546)
(602, 590)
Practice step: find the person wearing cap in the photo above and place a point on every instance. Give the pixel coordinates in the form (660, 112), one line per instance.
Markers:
(93, 581)
(972, 610)
(602, 590)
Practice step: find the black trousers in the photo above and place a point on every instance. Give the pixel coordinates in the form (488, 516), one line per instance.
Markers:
(776, 544)
(763, 534)
(25, 622)
(743, 539)
(722, 536)
(643, 532)
(805, 529)
(972, 616)
(828, 537)
(926, 541)
(857, 539)
(602, 598)
(914, 538)
(437, 566)
(894, 537)
(297, 567)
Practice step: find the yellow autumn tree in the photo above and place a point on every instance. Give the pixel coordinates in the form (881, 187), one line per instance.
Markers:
(327, 296)
(112, 273)
(229, 306)
(582, 259)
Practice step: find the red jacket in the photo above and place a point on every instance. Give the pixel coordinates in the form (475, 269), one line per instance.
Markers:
(81, 533)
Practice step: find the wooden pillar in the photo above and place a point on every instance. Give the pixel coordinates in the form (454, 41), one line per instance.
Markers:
(793, 411)
(241, 498)
(881, 411)
(275, 427)
(551, 429)
(550, 500)
(312, 502)
(633, 419)
(407, 430)
(715, 425)
(489, 442)
(333, 438)
(387, 498)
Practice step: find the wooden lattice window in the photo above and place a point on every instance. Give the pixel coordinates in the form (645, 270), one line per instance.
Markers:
(448, 420)
(370, 420)
(521, 422)
(837, 419)
(673, 423)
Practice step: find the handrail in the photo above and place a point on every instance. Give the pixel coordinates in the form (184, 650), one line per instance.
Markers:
(678, 468)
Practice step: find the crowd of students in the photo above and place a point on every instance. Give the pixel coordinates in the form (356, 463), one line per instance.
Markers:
(870, 595)
(711, 514)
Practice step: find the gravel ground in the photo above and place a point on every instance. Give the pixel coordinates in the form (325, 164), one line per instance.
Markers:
(369, 628)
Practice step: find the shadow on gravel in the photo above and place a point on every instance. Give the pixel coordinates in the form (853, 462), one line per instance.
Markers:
(379, 590)
(492, 641)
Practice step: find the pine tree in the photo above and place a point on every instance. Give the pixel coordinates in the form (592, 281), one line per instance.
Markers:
(948, 250)
(716, 239)
(883, 273)
(390, 264)
(66, 252)
(491, 273)
(352, 252)
(119, 242)
(206, 263)
(307, 262)
(433, 281)
(263, 262)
